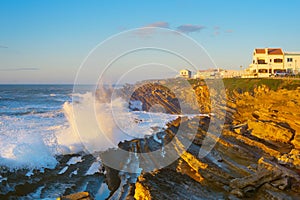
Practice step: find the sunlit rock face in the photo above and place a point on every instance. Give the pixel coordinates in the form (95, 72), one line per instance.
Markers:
(256, 156)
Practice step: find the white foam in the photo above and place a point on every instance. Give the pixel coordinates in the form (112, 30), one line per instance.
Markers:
(136, 105)
(74, 160)
(94, 168)
(63, 170)
(74, 173)
(156, 139)
(29, 173)
(2, 179)
(24, 147)
(88, 125)
(99, 126)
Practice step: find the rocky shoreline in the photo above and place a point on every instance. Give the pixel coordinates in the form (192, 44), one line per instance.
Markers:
(257, 156)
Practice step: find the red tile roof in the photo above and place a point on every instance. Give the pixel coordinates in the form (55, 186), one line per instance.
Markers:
(271, 51)
(276, 51)
(260, 51)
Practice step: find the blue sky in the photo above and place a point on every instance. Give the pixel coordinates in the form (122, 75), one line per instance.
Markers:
(46, 41)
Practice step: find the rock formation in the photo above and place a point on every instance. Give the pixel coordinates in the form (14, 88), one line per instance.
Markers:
(257, 156)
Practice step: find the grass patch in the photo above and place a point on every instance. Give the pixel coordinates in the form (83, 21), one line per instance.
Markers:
(248, 84)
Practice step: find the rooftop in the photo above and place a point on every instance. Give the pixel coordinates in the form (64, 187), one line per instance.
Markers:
(260, 51)
(275, 51)
(292, 53)
(271, 51)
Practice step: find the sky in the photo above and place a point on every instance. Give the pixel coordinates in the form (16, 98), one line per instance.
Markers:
(47, 41)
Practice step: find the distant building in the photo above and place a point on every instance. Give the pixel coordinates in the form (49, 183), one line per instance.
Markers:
(266, 62)
(292, 61)
(231, 73)
(185, 73)
(218, 73)
(207, 73)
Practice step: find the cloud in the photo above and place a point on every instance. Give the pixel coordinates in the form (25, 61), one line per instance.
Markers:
(189, 28)
(217, 28)
(3, 47)
(19, 69)
(216, 33)
(149, 29)
(158, 25)
(229, 31)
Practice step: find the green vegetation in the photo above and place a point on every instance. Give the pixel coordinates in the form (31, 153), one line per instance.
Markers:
(248, 84)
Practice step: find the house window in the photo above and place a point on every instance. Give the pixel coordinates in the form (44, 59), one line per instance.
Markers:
(270, 60)
(263, 71)
(277, 60)
(261, 61)
(289, 59)
(253, 61)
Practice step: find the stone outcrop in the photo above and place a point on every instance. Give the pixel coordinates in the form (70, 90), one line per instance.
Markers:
(257, 156)
(77, 196)
(270, 131)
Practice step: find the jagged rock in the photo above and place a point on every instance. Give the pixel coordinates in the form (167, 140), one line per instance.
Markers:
(268, 172)
(270, 131)
(295, 186)
(77, 196)
(141, 193)
(296, 140)
(281, 183)
(231, 170)
(154, 94)
(292, 158)
(237, 192)
(256, 180)
(267, 191)
(267, 164)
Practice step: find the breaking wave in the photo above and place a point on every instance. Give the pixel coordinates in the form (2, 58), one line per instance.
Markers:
(33, 141)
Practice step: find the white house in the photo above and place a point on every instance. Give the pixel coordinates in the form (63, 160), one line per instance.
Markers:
(292, 61)
(267, 61)
(185, 73)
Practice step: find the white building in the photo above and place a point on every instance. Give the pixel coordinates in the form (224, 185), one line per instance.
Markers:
(292, 61)
(230, 73)
(267, 61)
(185, 73)
(208, 73)
(218, 73)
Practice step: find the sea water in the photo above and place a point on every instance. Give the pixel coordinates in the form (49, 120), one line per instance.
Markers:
(30, 116)
(37, 124)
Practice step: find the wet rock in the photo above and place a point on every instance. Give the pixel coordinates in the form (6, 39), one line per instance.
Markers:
(237, 192)
(77, 196)
(267, 191)
(235, 168)
(295, 186)
(281, 183)
(257, 179)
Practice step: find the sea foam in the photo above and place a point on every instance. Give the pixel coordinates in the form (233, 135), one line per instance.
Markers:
(83, 125)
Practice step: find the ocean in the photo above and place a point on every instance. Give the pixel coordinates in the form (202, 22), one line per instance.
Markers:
(37, 124)
(30, 118)
(51, 136)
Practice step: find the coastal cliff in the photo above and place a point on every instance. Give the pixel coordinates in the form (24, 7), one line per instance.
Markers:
(257, 155)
